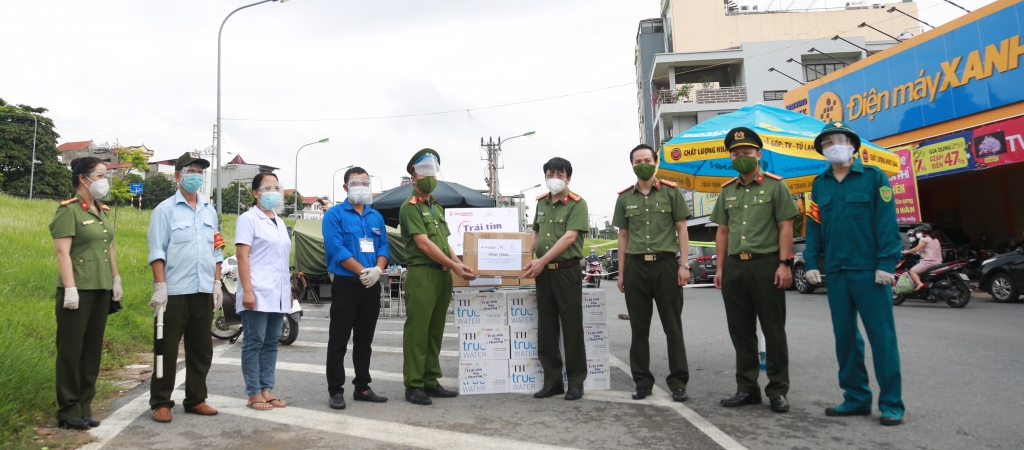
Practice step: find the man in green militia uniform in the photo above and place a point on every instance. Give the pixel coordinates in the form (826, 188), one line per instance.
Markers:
(428, 286)
(650, 214)
(559, 227)
(755, 214)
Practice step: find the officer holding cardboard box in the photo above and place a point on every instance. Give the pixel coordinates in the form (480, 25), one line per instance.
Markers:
(559, 227)
(428, 286)
(651, 216)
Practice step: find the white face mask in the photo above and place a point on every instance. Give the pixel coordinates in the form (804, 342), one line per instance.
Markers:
(555, 185)
(920, 236)
(839, 154)
(360, 195)
(99, 188)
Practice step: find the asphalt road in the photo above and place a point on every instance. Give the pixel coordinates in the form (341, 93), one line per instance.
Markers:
(961, 384)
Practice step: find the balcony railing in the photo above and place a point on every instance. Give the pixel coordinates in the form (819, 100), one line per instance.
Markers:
(700, 96)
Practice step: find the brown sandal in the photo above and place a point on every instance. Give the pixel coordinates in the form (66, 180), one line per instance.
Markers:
(275, 399)
(250, 405)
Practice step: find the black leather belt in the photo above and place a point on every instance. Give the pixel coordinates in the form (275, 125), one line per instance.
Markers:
(746, 256)
(434, 266)
(563, 264)
(653, 257)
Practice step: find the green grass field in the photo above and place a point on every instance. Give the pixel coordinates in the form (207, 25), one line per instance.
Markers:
(28, 277)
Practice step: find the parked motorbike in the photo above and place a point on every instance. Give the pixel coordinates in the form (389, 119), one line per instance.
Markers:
(594, 271)
(974, 258)
(946, 282)
(227, 324)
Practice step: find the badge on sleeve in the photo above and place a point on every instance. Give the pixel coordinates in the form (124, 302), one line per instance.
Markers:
(218, 241)
(886, 193)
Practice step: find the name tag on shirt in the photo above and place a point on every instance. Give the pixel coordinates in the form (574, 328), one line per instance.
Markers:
(366, 245)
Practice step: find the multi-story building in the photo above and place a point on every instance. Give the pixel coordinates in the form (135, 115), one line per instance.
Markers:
(107, 153)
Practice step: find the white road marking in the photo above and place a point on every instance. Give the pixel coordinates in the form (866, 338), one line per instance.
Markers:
(451, 353)
(390, 332)
(376, 430)
(312, 368)
(702, 424)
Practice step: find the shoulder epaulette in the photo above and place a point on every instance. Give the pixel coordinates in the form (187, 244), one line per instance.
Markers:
(627, 188)
(669, 183)
(575, 197)
(104, 207)
(730, 181)
(68, 201)
(541, 196)
(773, 176)
(412, 200)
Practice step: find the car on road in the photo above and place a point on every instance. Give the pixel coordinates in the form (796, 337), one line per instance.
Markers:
(703, 262)
(1003, 276)
(610, 261)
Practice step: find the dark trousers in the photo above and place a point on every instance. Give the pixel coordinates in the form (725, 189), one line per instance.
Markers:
(750, 293)
(560, 299)
(190, 317)
(428, 293)
(354, 312)
(649, 284)
(79, 348)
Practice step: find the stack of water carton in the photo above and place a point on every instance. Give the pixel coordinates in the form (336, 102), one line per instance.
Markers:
(498, 341)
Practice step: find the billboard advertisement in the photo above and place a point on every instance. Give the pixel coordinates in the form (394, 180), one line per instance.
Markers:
(904, 187)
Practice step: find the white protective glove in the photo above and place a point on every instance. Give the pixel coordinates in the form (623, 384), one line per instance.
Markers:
(118, 292)
(218, 295)
(159, 300)
(369, 276)
(71, 298)
(813, 276)
(883, 277)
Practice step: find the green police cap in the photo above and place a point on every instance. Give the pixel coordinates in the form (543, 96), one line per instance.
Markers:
(190, 158)
(837, 127)
(741, 136)
(420, 154)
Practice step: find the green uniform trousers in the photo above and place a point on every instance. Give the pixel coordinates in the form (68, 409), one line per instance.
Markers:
(188, 316)
(79, 349)
(428, 292)
(658, 281)
(750, 293)
(560, 299)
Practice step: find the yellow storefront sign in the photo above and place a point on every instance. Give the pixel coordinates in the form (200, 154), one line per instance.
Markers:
(941, 157)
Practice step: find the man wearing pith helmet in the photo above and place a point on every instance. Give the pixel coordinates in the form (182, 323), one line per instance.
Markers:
(428, 286)
(755, 213)
(852, 219)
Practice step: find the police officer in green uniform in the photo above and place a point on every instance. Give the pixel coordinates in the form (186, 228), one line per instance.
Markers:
(560, 224)
(755, 213)
(651, 216)
(428, 285)
(88, 282)
(853, 222)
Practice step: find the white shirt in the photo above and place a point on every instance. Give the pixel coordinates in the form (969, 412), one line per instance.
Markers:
(268, 261)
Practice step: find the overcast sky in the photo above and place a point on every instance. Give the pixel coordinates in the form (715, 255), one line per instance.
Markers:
(143, 72)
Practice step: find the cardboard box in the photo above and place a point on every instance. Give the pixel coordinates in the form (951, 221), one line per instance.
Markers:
(479, 309)
(487, 281)
(522, 307)
(596, 341)
(523, 341)
(483, 377)
(480, 343)
(499, 254)
(599, 375)
(525, 376)
(594, 306)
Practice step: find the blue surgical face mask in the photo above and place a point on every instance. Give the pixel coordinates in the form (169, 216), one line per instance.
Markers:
(192, 182)
(270, 200)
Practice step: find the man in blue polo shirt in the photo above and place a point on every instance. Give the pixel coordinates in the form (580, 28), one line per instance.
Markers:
(356, 246)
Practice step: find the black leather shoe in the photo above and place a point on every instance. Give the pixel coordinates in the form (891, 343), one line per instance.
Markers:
(369, 396)
(440, 392)
(641, 393)
(780, 404)
(93, 423)
(549, 391)
(843, 411)
(679, 395)
(574, 393)
(338, 401)
(416, 396)
(742, 399)
(74, 423)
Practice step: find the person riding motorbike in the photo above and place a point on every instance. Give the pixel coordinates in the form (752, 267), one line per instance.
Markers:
(931, 253)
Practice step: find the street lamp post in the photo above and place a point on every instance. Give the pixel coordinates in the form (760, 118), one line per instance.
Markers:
(32, 176)
(521, 210)
(334, 197)
(296, 193)
(220, 209)
(381, 184)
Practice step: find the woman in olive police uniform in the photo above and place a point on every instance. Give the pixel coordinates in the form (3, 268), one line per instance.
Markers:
(88, 282)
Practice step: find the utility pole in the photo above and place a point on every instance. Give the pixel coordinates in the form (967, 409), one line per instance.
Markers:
(493, 150)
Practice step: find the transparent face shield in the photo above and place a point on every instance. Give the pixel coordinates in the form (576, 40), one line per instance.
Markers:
(833, 139)
(427, 166)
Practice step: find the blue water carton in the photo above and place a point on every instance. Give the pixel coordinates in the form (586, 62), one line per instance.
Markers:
(479, 309)
(483, 343)
(483, 377)
(525, 376)
(522, 308)
(523, 341)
